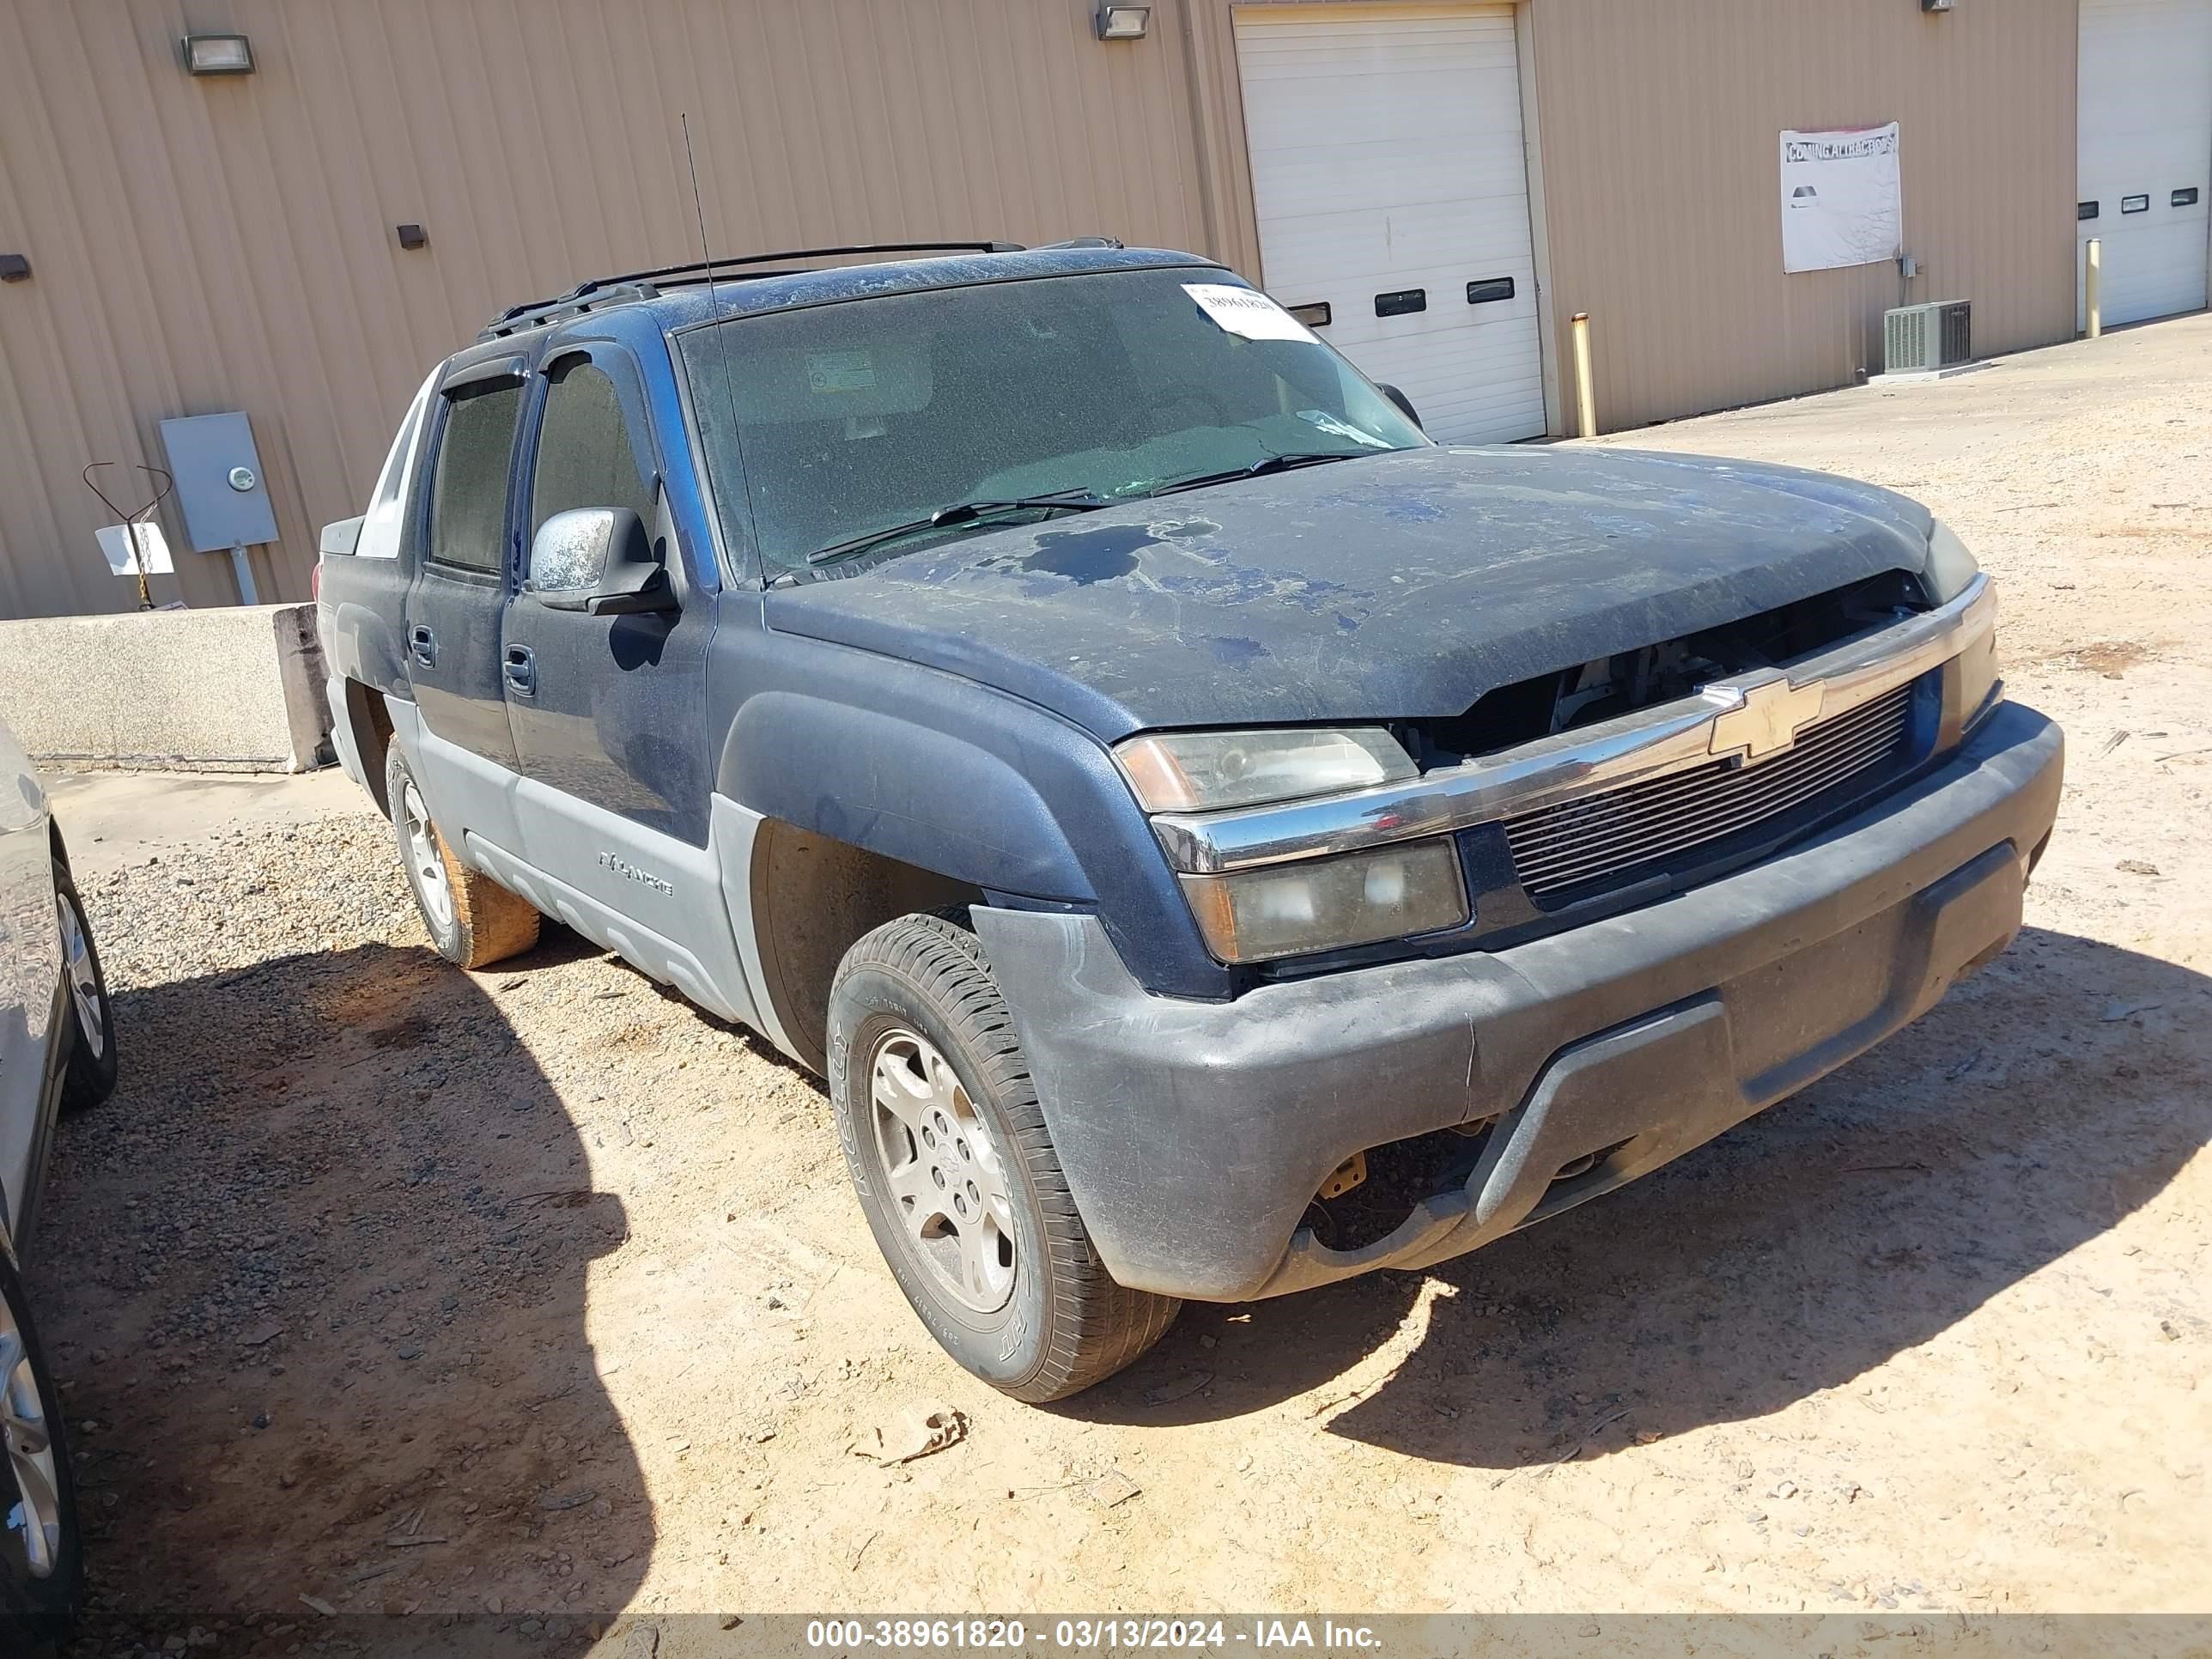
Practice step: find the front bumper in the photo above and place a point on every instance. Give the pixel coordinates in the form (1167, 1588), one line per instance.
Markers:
(1193, 1134)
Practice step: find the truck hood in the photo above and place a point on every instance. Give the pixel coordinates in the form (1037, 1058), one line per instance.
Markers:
(1395, 586)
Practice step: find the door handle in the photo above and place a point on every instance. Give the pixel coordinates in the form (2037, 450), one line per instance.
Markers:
(422, 645)
(521, 665)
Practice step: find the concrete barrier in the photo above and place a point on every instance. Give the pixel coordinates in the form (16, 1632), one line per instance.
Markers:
(234, 690)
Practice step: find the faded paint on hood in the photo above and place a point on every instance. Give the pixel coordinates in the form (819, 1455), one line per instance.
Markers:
(1395, 585)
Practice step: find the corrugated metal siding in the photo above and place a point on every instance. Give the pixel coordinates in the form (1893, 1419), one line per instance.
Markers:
(209, 244)
(1660, 122)
(202, 244)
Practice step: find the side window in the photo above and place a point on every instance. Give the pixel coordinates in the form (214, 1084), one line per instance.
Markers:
(468, 491)
(379, 528)
(591, 452)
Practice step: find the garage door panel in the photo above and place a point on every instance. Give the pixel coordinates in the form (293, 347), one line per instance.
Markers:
(1399, 359)
(1448, 310)
(1443, 140)
(1418, 80)
(1350, 270)
(1386, 154)
(1325, 184)
(1477, 405)
(1356, 42)
(1352, 301)
(2153, 273)
(1374, 239)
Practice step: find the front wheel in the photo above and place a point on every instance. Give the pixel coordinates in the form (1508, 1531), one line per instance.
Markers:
(956, 1171)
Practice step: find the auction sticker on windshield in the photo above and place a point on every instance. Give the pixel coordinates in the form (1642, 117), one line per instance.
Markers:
(840, 371)
(1242, 311)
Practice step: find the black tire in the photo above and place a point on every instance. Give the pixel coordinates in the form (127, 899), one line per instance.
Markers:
(37, 1611)
(90, 1078)
(1064, 1324)
(482, 922)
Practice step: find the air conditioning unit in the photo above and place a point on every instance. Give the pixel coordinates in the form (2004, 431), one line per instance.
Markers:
(1918, 339)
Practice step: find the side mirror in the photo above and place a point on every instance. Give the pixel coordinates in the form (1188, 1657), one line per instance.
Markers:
(598, 560)
(1405, 403)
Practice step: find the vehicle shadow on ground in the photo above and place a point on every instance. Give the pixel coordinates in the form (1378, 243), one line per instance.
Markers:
(316, 1276)
(2042, 1101)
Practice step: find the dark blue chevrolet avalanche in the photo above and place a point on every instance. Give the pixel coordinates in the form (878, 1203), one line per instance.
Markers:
(1213, 839)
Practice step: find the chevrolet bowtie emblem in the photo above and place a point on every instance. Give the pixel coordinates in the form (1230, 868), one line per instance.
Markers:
(1770, 715)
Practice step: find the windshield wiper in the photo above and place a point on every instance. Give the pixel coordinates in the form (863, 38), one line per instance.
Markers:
(1261, 468)
(1067, 500)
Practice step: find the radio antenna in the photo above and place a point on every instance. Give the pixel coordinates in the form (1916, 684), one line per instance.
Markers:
(705, 253)
(715, 324)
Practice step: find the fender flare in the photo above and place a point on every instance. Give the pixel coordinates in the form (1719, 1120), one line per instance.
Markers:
(916, 792)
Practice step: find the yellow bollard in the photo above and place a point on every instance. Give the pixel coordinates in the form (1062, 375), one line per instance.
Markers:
(2093, 270)
(1585, 399)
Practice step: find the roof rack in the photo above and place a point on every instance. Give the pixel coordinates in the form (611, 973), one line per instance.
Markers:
(646, 284)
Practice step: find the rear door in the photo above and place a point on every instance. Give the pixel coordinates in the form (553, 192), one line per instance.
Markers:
(457, 601)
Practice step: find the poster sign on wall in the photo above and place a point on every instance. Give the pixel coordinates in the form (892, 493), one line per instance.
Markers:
(1842, 200)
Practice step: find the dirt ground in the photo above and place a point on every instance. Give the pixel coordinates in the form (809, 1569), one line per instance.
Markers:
(536, 1292)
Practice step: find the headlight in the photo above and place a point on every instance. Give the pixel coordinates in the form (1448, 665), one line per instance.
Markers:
(1199, 771)
(1324, 904)
(1950, 566)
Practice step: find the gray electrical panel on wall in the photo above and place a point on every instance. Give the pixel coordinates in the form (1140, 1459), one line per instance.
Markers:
(220, 487)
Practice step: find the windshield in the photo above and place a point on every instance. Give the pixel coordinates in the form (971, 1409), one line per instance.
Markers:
(833, 424)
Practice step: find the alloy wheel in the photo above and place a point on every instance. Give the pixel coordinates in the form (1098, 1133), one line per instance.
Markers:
(426, 860)
(36, 1514)
(83, 979)
(942, 1169)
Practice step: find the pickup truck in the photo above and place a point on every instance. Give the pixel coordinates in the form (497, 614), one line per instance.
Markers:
(1212, 840)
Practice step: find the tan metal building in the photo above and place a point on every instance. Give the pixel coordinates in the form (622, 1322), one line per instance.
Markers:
(203, 243)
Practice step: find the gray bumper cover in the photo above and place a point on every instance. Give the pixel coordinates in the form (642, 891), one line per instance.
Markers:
(1193, 1134)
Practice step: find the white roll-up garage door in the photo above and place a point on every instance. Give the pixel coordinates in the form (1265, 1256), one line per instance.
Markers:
(1391, 186)
(2146, 155)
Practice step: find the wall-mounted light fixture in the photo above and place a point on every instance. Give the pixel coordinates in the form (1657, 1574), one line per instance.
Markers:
(218, 54)
(1935, 5)
(1122, 22)
(412, 236)
(14, 268)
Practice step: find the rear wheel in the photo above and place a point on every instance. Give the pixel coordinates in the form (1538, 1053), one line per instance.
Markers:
(41, 1563)
(472, 919)
(956, 1171)
(92, 1065)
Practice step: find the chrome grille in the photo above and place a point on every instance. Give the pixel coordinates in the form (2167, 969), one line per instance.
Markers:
(1607, 835)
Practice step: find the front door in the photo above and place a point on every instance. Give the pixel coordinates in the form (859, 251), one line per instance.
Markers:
(1392, 192)
(608, 711)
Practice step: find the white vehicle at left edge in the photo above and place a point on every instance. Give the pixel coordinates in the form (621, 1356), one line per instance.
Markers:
(56, 1053)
